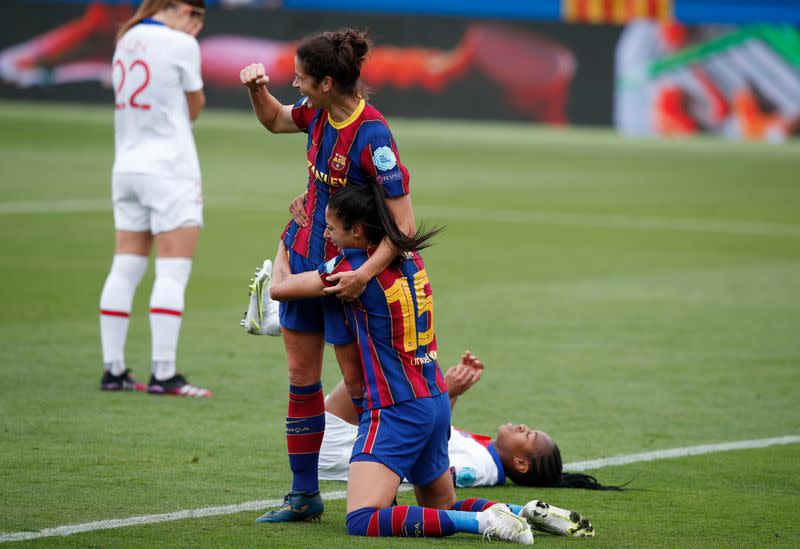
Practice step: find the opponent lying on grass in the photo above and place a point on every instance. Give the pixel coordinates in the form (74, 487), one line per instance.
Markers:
(529, 457)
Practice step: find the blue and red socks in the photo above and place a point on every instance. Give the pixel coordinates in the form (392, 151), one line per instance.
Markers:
(473, 504)
(466, 516)
(479, 504)
(405, 521)
(305, 426)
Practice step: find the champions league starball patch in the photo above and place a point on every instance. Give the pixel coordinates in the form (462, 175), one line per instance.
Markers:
(466, 477)
(384, 159)
(330, 265)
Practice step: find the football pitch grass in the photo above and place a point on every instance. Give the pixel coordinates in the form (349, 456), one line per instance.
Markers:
(625, 296)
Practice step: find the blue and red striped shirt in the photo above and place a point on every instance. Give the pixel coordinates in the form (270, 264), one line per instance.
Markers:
(359, 151)
(393, 324)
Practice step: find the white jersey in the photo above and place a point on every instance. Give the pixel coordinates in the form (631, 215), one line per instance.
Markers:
(473, 461)
(153, 67)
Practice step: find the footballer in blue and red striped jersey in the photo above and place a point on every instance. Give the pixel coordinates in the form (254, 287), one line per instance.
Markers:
(474, 460)
(397, 344)
(358, 151)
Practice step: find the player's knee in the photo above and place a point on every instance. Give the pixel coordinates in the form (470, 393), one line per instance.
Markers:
(301, 377)
(448, 502)
(358, 520)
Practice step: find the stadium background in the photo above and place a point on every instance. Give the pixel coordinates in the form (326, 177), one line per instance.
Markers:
(548, 61)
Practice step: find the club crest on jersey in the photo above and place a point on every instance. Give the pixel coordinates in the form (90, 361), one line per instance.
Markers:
(338, 162)
(384, 159)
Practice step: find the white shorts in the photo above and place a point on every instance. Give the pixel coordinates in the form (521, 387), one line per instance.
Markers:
(337, 446)
(144, 202)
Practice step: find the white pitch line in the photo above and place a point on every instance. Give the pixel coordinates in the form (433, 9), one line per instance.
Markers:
(640, 222)
(54, 206)
(262, 504)
(680, 452)
(649, 223)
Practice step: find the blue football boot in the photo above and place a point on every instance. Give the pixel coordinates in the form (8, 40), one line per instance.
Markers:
(297, 506)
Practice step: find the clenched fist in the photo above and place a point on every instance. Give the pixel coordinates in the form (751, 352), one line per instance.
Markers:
(254, 76)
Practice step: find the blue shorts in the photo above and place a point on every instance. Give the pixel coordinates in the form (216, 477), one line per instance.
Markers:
(410, 438)
(319, 314)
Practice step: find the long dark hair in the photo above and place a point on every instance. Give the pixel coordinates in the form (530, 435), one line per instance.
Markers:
(338, 54)
(366, 205)
(545, 471)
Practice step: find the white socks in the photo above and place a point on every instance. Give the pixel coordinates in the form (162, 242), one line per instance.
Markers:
(166, 312)
(115, 307)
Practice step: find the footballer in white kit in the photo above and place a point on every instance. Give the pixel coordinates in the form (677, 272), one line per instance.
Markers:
(156, 183)
(155, 187)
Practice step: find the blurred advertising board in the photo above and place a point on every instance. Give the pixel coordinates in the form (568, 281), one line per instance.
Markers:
(596, 62)
(741, 82)
(455, 67)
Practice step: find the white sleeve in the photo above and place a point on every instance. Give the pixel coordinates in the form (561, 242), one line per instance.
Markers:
(188, 59)
(470, 462)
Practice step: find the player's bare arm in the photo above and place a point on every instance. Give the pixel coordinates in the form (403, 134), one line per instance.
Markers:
(196, 101)
(351, 284)
(273, 115)
(287, 286)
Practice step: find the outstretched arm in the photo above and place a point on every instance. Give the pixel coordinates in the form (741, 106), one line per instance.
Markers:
(286, 286)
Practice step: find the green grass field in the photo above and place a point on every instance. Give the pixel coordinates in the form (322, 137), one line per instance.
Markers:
(626, 296)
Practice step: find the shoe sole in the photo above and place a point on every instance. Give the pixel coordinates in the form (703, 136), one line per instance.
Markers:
(574, 525)
(156, 390)
(121, 387)
(310, 518)
(261, 280)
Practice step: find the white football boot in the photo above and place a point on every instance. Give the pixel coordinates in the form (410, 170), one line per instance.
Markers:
(505, 525)
(556, 521)
(262, 315)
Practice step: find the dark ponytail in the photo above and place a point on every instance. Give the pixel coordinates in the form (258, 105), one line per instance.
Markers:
(340, 54)
(545, 471)
(366, 205)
